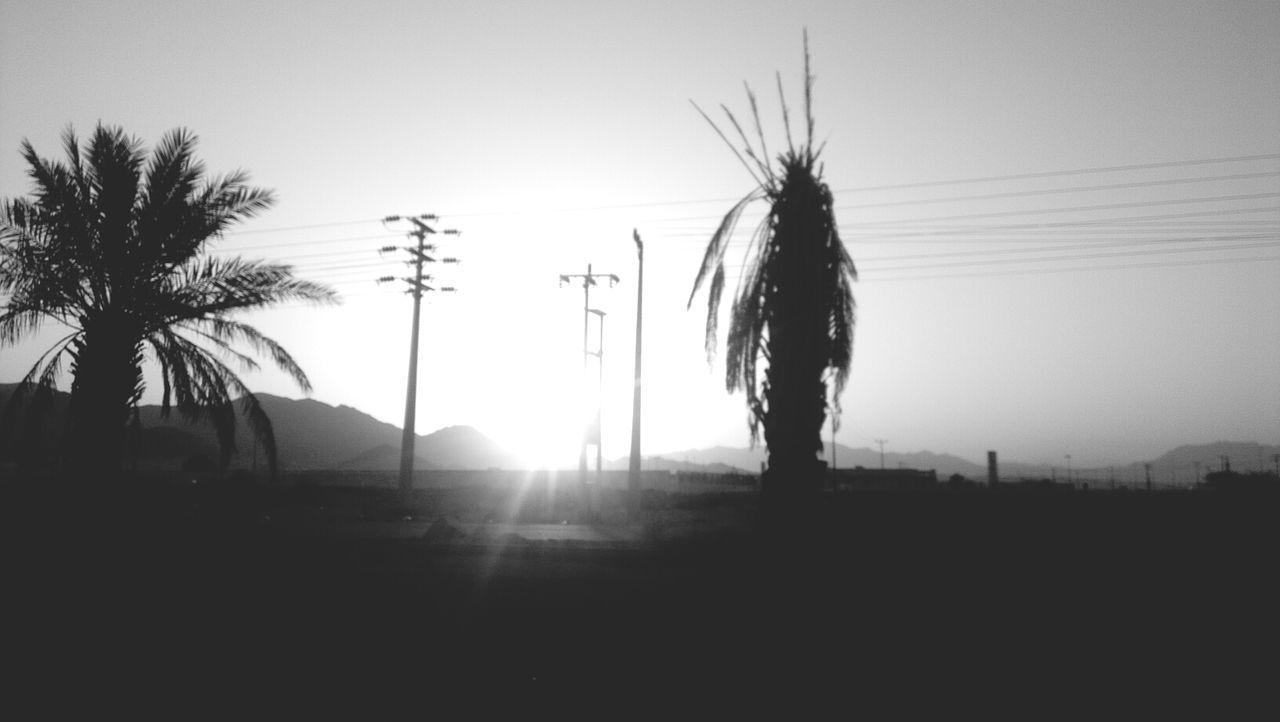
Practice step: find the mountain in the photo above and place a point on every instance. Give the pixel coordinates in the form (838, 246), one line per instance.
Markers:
(662, 463)
(453, 447)
(1210, 457)
(309, 435)
(749, 460)
(315, 435)
(383, 457)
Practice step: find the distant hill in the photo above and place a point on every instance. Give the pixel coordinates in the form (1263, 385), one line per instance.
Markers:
(749, 460)
(1242, 457)
(309, 435)
(315, 435)
(662, 463)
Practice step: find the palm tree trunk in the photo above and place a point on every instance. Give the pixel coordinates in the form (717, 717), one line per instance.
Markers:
(796, 402)
(798, 343)
(107, 376)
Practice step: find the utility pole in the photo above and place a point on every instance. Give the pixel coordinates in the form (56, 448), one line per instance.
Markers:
(599, 354)
(417, 286)
(633, 470)
(588, 280)
(881, 442)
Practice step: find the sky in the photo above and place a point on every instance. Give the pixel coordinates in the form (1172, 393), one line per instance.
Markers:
(1065, 215)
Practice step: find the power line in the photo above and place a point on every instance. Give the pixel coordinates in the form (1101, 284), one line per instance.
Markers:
(1082, 269)
(1077, 171)
(855, 189)
(1068, 189)
(848, 207)
(870, 233)
(1079, 257)
(1089, 208)
(308, 226)
(1213, 248)
(1070, 247)
(303, 243)
(943, 231)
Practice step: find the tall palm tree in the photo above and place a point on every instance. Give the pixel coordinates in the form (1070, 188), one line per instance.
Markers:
(111, 245)
(794, 309)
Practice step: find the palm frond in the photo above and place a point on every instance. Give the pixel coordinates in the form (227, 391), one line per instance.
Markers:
(115, 174)
(746, 342)
(231, 201)
(246, 362)
(764, 147)
(229, 331)
(173, 174)
(260, 426)
(36, 388)
(808, 99)
(205, 388)
(17, 321)
(713, 312)
(200, 386)
(786, 115)
(765, 171)
(716, 128)
(210, 286)
(714, 256)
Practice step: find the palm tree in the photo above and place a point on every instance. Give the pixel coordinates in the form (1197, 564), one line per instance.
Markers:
(794, 309)
(111, 245)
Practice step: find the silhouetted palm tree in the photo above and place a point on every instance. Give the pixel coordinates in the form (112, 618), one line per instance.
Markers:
(111, 245)
(794, 309)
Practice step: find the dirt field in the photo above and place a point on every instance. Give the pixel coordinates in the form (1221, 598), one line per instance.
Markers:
(981, 594)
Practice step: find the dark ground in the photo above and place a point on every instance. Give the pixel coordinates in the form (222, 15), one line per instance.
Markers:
(961, 600)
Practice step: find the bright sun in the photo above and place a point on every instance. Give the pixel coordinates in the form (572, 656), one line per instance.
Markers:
(545, 432)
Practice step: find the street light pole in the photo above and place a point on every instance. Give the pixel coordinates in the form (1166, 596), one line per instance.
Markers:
(633, 473)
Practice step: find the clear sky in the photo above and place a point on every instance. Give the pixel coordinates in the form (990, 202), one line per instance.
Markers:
(1108, 314)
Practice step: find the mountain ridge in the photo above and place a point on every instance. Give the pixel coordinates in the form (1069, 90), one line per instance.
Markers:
(314, 435)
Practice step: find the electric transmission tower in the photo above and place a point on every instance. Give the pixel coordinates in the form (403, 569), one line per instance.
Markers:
(422, 253)
(881, 442)
(589, 279)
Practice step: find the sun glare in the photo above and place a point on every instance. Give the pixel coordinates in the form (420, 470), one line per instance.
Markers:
(544, 435)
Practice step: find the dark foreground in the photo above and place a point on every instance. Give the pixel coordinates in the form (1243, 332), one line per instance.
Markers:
(950, 600)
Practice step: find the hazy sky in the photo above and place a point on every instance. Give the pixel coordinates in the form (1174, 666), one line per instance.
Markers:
(1108, 314)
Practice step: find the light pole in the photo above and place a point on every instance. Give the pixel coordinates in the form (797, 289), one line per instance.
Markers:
(633, 471)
